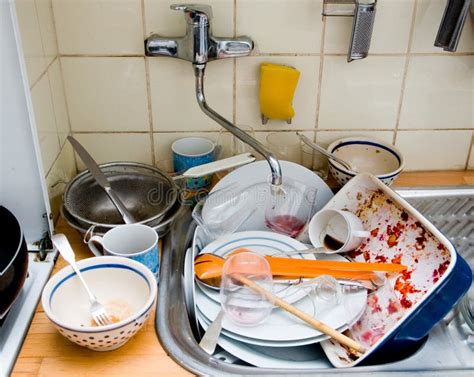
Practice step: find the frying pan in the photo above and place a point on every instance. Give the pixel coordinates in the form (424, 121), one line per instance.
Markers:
(13, 260)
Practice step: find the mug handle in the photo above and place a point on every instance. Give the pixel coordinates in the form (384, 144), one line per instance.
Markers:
(361, 233)
(93, 247)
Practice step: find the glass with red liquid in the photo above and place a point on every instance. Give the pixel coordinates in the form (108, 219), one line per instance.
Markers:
(289, 208)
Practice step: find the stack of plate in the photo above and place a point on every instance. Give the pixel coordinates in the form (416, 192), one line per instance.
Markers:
(282, 341)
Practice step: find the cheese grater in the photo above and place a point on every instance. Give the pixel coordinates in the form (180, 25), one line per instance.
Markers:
(362, 26)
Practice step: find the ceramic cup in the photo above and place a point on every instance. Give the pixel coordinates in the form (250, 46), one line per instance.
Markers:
(193, 151)
(135, 241)
(337, 231)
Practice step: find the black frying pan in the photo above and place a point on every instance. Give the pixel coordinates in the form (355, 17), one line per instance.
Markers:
(13, 260)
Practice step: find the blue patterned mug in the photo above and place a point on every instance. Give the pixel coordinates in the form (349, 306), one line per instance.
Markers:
(193, 151)
(135, 241)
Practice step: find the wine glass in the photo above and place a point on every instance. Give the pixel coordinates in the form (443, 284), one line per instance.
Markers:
(240, 303)
(289, 207)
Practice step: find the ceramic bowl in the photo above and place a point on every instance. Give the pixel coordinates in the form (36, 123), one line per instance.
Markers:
(366, 156)
(125, 287)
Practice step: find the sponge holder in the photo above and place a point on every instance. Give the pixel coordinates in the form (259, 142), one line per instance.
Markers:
(363, 12)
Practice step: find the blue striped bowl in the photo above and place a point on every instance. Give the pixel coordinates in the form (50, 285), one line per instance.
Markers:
(367, 156)
(125, 287)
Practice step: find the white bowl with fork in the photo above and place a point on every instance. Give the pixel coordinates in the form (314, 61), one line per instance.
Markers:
(125, 287)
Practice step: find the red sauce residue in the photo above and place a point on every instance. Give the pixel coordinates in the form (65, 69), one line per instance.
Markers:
(354, 253)
(374, 232)
(437, 273)
(397, 259)
(392, 306)
(403, 285)
(440, 246)
(371, 336)
(393, 233)
(366, 256)
(373, 302)
(381, 258)
(392, 240)
(406, 303)
(404, 216)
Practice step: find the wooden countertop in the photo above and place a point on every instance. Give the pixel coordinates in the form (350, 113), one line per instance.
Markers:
(47, 353)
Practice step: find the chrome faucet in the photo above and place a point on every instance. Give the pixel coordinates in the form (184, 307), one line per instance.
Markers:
(199, 47)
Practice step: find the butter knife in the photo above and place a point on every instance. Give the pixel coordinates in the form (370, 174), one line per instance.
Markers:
(102, 180)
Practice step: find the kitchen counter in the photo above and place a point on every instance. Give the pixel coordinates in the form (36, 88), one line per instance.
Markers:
(47, 353)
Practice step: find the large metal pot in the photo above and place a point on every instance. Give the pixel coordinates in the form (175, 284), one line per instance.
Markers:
(13, 260)
(147, 192)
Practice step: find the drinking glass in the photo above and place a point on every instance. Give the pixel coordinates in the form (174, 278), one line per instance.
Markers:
(289, 207)
(241, 304)
(286, 146)
(223, 211)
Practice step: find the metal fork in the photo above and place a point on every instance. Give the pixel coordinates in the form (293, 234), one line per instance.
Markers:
(97, 310)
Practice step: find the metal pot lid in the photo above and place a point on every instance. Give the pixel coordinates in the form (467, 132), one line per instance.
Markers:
(147, 192)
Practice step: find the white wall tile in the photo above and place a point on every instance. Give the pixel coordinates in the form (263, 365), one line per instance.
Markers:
(160, 19)
(173, 98)
(439, 93)
(281, 26)
(428, 19)
(391, 29)
(99, 26)
(304, 102)
(361, 95)
(59, 101)
(31, 39)
(62, 171)
(47, 27)
(163, 141)
(116, 147)
(106, 94)
(434, 150)
(45, 122)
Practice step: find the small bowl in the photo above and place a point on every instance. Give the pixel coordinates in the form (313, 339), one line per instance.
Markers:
(125, 287)
(367, 156)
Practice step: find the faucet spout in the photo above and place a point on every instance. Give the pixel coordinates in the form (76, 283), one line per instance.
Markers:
(236, 131)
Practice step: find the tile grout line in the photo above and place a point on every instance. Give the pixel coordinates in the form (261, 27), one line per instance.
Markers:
(469, 152)
(320, 77)
(263, 53)
(148, 91)
(276, 129)
(43, 73)
(405, 73)
(56, 160)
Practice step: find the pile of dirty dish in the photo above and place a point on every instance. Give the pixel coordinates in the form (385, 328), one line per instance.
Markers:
(366, 222)
(111, 194)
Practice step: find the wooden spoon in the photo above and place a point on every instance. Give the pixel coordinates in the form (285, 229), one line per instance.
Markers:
(318, 325)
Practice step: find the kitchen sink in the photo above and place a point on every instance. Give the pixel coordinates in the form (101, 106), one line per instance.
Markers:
(447, 351)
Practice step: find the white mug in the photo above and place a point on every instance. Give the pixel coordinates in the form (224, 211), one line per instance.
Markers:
(135, 241)
(337, 231)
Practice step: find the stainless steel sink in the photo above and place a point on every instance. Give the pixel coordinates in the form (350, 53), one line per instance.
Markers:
(446, 352)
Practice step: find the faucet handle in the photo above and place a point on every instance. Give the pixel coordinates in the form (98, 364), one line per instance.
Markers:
(195, 13)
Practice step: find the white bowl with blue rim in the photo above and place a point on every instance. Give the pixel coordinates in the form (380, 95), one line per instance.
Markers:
(125, 287)
(365, 155)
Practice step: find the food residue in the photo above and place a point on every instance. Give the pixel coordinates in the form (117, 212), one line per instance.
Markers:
(117, 310)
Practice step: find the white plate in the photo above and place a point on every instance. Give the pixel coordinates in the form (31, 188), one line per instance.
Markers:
(263, 243)
(258, 172)
(304, 357)
(282, 326)
(205, 322)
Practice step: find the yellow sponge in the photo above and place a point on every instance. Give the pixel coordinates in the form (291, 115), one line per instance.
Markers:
(277, 89)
